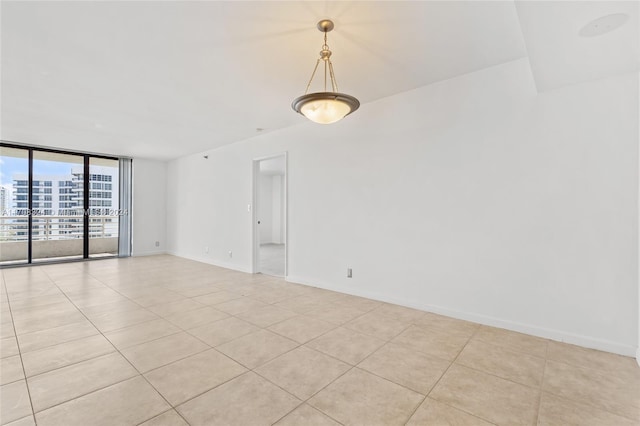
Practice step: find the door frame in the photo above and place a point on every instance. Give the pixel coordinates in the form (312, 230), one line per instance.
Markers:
(255, 240)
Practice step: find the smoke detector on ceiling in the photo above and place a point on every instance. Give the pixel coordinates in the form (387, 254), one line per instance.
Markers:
(603, 25)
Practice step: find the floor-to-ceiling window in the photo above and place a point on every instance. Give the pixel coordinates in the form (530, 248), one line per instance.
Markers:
(14, 203)
(104, 205)
(59, 205)
(57, 224)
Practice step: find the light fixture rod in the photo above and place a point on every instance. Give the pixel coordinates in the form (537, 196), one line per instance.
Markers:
(312, 75)
(325, 76)
(334, 83)
(325, 55)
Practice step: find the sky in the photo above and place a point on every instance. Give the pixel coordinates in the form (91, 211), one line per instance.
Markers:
(11, 165)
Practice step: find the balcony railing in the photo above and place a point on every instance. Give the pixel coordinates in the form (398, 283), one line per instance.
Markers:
(56, 237)
(16, 228)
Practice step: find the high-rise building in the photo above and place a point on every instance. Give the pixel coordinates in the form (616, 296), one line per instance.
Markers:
(5, 200)
(58, 202)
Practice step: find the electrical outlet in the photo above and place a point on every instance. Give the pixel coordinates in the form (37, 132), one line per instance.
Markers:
(349, 273)
(206, 249)
(157, 243)
(230, 253)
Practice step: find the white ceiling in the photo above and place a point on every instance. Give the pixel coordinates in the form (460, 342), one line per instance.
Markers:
(161, 79)
(559, 56)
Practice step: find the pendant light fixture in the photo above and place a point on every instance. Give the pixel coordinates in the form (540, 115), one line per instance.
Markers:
(328, 106)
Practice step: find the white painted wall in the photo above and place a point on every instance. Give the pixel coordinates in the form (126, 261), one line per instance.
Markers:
(277, 208)
(265, 208)
(149, 207)
(474, 197)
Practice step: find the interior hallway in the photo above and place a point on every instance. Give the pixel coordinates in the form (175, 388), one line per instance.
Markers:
(272, 259)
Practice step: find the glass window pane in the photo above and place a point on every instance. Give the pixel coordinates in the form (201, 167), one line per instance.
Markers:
(58, 225)
(103, 207)
(14, 228)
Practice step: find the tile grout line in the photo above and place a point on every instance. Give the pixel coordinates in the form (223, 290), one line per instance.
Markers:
(520, 353)
(391, 341)
(142, 375)
(306, 401)
(72, 364)
(98, 332)
(544, 372)
(248, 370)
(162, 414)
(210, 347)
(85, 394)
(116, 350)
(352, 366)
(135, 368)
(499, 377)
(336, 326)
(15, 336)
(440, 379)
(582, 367)
(590, 405)
(268, 361)
(85, 337)
(436, 383)
(342, 325)
(597, 371)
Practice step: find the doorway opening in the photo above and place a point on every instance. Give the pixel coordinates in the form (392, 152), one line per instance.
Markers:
(270, 215)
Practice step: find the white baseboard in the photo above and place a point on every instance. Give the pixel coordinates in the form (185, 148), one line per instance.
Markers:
(148, 253)
(558, 335)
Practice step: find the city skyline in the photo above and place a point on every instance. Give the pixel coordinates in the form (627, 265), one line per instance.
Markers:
(59, 193)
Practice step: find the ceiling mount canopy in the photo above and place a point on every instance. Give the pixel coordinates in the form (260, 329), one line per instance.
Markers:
(328, 106)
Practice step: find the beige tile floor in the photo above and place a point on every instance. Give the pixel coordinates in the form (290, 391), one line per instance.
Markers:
(167, 341)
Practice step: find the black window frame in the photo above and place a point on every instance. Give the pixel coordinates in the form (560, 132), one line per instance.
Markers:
(30, 185)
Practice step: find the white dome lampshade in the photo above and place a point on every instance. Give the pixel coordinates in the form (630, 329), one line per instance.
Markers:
(325, 107)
